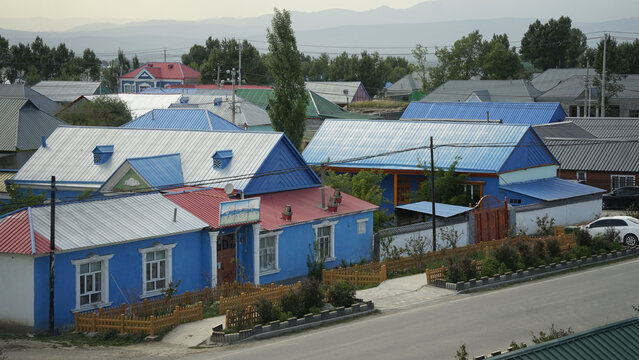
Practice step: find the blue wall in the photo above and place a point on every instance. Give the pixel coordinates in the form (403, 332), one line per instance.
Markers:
(136, 83)
(296, 241)
(525, 200)
(191, 264)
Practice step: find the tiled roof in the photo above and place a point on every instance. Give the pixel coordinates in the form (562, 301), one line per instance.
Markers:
(165, 70)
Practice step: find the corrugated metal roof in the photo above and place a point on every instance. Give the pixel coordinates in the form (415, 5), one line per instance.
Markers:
(551, 77)
(140, 104)
(406, 85)
(22, 91)
(480, 147)
(609, 127)
(499, 90)
(441, 210)
(596, 154)
(15, 235)
(184, 119)
(114, 220)
(564, 129)
(333, 91)
(508, 113)
(5, 175)
(159, 171)
(608, 342)
(68, 91)
(203, 203)
(186, 91)
(551, 189)
(68, 154)
(165, 70)
(23, 124)
(245, 113)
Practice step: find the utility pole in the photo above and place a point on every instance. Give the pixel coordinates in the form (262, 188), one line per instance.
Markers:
(587, 92)
(218, 76)
(52, 261)
(165, 55)
(603, 79)
(239, 72)
(233, 96)
(432, 192)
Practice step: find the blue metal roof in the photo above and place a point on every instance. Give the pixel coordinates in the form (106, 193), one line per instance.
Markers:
(508, 113)
(479, 147)
(551, 189)
(159, 171)
(181, 119)
(441, 210)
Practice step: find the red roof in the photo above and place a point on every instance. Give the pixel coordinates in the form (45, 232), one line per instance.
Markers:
(203, 203)
(166, 70)
(222, 87)
(306, 206)
(15, 235)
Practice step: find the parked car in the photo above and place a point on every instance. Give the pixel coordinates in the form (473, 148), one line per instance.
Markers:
(622, 198)
(627, 226)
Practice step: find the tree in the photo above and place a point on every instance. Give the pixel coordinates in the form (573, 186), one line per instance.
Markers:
(499, 61)
(91, 64)
(461, 62)
(20, 198)
(102, 111)
(116, 68)
(616, 67)
(419, 53)
(447, 186)
(289, 98)
(5, 55)
(553, 44)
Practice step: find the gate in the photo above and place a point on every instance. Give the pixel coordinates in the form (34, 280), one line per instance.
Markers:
(491, 219)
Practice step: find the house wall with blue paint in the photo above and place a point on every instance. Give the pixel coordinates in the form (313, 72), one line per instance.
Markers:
(296, 242)
(190, 260)
(133, 85)
(516, 199)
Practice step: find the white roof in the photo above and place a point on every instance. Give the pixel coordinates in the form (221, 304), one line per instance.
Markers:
(69, 156)
(109, 221)
(246, 112)
(333, 91)
(140, 104)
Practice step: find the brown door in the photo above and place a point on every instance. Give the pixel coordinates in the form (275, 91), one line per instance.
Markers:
(225, 259)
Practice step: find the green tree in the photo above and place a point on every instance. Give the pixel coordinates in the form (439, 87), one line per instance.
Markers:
(135, 62)
(447, 186)
(5, 55)
(460, 62)
(616, 66)
(91, 64)
(499, 61)
(102, 111)
(419, 53)
(20, 198)
(289, 98)
(553, 44)
(115, 69)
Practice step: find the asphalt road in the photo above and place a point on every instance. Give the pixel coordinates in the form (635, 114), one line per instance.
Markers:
(485, 321)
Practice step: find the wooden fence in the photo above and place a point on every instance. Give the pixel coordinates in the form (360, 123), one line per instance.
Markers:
(269, 292)
(369, 274)
(240, 318)
(124, 324)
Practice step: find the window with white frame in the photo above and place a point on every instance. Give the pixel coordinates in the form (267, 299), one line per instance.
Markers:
(325, 240)
(361, 226)
(268, 252)
(617, 181)
(127, 88)
(92, 282)
(156, 269)
(581, 176)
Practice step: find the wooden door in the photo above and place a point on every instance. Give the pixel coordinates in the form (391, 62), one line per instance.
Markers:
(226, 259)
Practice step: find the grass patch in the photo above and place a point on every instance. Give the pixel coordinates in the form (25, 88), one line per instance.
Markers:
(378, 104)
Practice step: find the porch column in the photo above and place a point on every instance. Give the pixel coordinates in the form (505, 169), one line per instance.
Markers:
(256, 254)
(213, 241)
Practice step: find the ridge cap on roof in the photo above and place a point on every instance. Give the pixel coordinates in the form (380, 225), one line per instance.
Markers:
(99, 128)
(152, 156)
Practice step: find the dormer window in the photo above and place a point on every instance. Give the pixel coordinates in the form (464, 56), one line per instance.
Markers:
(222, 158)
(102, 153)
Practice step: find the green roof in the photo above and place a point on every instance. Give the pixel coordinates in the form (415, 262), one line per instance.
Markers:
(613, 341)
(317, 107)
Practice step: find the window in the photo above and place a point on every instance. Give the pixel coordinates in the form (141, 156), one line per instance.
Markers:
(581, 176)
(617, 223)
(599, 224)
(127, 88)
(144, 87)
(474, 190)
(92, 282)
(268, 253)
(156, 269)
(617, 181)
(361, 226)
(514, 201)
(633, 113)
(325, 240)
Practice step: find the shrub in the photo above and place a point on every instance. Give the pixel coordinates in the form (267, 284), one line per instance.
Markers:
(581, 251)
(341, 294)
(545, 226)
(508, 255)
(489, 266)
(539, 249)
(502, 268)
(312, 294)
(583, 238)
(293, 303)
(553, 334)
(526, 254)
(554, 250)
(266, 311)
(283, 316)
(460, 269)
(611, 235)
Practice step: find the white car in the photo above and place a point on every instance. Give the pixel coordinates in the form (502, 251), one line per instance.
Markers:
(627, 226)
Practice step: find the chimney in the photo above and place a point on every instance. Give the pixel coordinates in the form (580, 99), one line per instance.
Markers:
(287, 214)
(332, 204)
(338, 196)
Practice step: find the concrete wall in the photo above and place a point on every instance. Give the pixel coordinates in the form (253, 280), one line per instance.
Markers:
(564, 212)
(16, 296)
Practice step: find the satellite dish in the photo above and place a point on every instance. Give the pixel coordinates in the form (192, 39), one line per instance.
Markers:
(228, 189)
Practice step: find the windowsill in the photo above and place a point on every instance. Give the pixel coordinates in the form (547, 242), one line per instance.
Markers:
(329, 259)
(269, 272)
(91, 307)
(152, 294)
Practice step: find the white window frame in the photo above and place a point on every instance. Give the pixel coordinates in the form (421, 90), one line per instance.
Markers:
(323, 224)
(276, 266)
(612, 181)
(143, 86)
(128, 88)
(361, 226)
(584, 174)
(104, 279)
(168, 257)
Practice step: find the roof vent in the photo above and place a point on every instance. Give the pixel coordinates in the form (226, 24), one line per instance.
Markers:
(338, 196)
(170, 66)
(102, 154)
(287, 214)
(332, 204)
(222, 158)
(217, 101)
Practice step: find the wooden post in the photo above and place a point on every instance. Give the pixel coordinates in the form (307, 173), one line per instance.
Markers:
(187, 297)
(199, 306)
(122, 324)
(152, 325)
(146, 309)
(383, 273)
(76, 322)
(93, 316)
(356, 278)
(176, 315)
(123, 308)
(228, 316)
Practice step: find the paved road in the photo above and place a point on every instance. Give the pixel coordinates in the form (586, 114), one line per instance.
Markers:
(485, 321)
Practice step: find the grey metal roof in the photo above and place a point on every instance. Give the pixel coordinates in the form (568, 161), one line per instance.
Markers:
(22, 91)
(551, 189)
(69, 157)
(498, 90)
(140, 104)
(23, 125)
(406, 85)
(246, 113)
(596, 154)
(608, 128)
(111, 221)
(573, 88)
(441, 210)
(334, 90)
(68, 91)
(551, 77)
(564, 129)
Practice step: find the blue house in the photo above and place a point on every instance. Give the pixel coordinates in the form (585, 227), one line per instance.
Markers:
(500, 160)
(158, 75)
(522, 113)
(181, 119)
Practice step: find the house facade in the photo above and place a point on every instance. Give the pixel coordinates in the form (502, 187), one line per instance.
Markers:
(158, 75)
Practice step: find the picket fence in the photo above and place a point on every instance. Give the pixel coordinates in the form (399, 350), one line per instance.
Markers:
(268, 292)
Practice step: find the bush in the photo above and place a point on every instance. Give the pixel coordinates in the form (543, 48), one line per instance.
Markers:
(611, 235)
(489, 266)
(266, 311)
(341, 294)
(553, 334)
(312, 294)
(583, 238)
(293, 303)
(545, 226)
(460, 269)
(581, 251)
(526, 254)
(539, 249)
(554, 250)
(508, 255)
